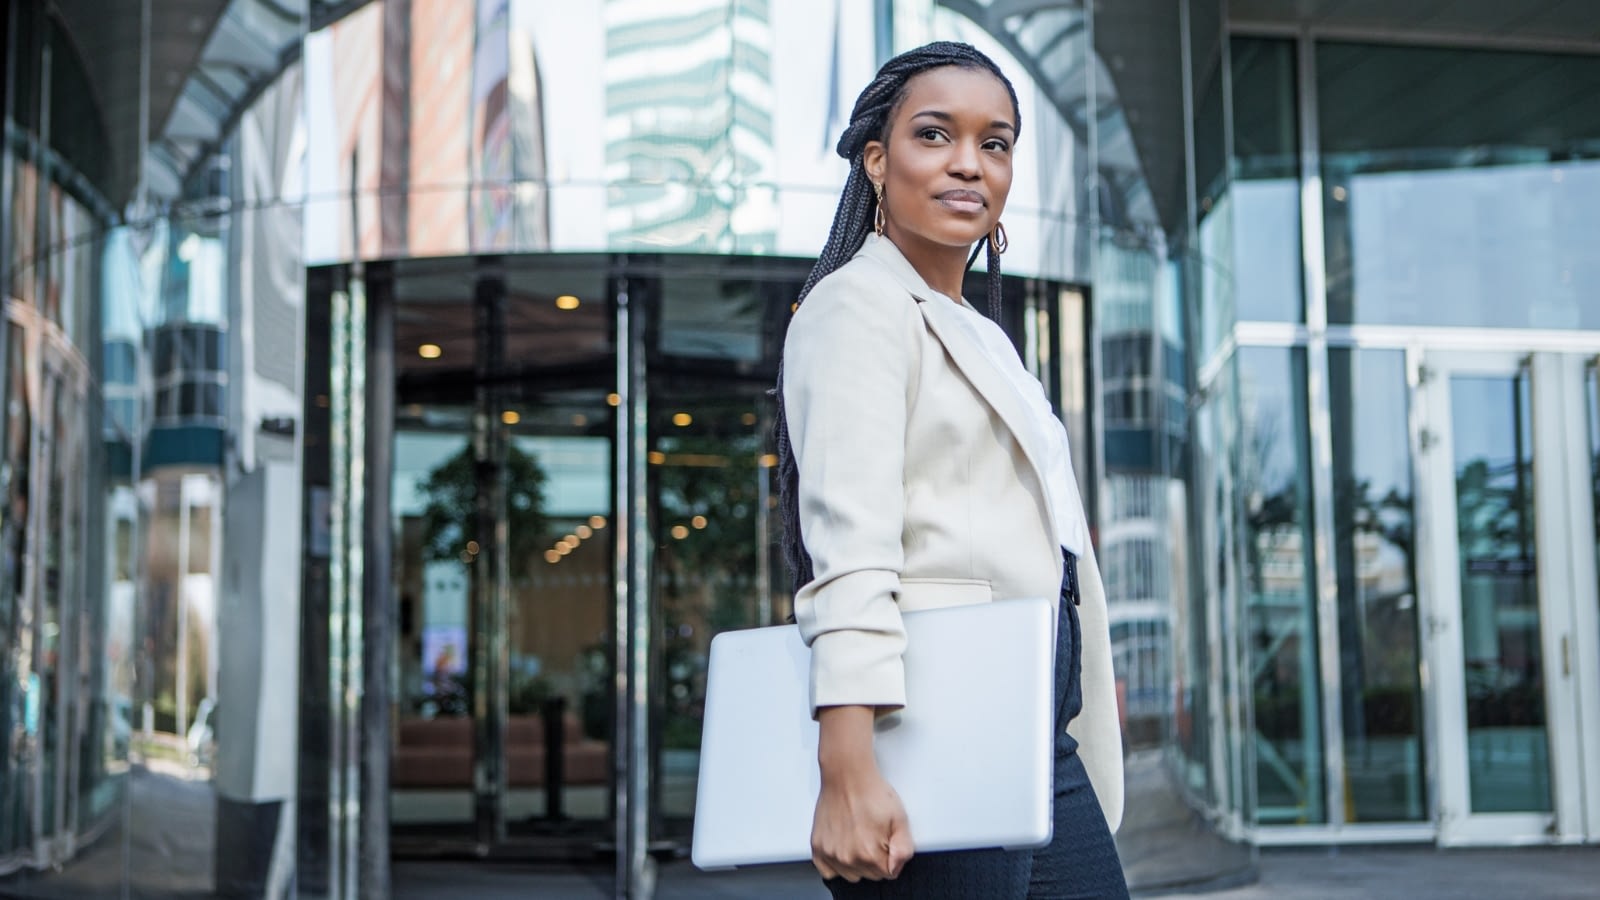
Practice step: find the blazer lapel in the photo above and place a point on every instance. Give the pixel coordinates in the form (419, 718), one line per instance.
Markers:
(940, 313)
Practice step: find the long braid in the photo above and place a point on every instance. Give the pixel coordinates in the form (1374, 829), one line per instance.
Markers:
(869, 121)
(994, 283)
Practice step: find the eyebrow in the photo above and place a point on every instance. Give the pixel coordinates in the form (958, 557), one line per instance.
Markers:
(946, 117)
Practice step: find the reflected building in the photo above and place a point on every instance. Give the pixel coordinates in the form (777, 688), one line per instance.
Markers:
(385, 428)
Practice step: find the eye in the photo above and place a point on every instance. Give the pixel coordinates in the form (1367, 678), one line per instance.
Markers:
(999, 145)
(930, 133)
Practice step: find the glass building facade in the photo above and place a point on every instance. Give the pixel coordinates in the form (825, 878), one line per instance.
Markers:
(386, 429)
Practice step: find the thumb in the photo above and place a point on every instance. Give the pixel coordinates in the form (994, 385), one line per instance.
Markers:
(900, 847)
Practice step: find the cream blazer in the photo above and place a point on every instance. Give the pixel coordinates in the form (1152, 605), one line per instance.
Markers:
(918, 490)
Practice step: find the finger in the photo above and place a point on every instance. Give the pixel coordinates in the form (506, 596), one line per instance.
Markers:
(900, 851)
(900, 848)
(824, 869)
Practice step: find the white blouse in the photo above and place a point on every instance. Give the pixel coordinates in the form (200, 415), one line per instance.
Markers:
(1061, 487)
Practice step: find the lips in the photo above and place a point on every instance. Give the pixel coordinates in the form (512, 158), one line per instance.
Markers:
(962, 201)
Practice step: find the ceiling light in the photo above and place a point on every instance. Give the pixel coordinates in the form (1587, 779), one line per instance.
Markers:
(511, 417)
(551, 556)
(566, 301)
(563, 549)
(430, 351)
(698, 521)
(680, 532)
(584, 532)
(656, 457)
(614, 399)
(597, 522)
(682, 419)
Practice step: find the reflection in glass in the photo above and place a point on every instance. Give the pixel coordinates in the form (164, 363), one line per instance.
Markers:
(1375, 550)
(1412, 218)
(430, 767)
(1507, 745)
(561, 603)
(713, 533)
(1266, 191)
(1278, 584)
(1594, 447)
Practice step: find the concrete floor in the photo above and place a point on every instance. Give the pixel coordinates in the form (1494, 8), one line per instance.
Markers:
(1368, 872)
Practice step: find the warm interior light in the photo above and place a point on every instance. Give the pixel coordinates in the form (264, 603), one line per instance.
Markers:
(430, 351)
(680, 532)
(682, 419)
(585, 532)
(552, 556)
(473, 548)
(563, 549)
(597, 522)
(566, 301)
(698, 521)
(614, 399)
(748, 418)
(656, 457)
(768, 460)
(511, 417)
(579, 420)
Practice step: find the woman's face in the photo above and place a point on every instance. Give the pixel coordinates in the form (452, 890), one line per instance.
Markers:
(946, 167)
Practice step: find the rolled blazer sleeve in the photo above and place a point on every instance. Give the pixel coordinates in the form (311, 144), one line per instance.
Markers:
(847, 378)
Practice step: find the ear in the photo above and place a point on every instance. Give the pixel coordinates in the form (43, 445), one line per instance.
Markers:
(875, 159)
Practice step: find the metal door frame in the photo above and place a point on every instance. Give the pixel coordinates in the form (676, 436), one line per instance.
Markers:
(1561, 524)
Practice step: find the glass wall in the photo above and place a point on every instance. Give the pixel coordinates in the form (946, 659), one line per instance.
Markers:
(1455, 179)
(189, 446)
(151, 386)
(1266, 189)
(1594, 443)
(1376, 550)
(1278, 584)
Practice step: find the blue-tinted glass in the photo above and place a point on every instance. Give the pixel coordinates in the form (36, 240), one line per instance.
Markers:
(1272, 481)
(1375, 550)
(1266, 187)
(1508, 744)
(1462, 187)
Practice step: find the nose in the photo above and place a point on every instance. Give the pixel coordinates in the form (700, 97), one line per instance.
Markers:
(963, 161)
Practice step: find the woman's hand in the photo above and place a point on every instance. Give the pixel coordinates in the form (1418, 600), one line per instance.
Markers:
(860, 829)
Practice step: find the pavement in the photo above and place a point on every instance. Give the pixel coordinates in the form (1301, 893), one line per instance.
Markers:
(1408, 873)
(163, 851)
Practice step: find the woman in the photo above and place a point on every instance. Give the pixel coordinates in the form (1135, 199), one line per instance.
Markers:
(921, 466)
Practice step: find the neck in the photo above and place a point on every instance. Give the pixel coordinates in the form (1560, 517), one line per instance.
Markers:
(943, 268)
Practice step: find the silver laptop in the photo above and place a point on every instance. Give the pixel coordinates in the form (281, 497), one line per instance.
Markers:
(970, 755)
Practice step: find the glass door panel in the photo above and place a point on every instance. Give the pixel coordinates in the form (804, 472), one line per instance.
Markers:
(431, 763)
(502, 494)
(715, 534)
(560, 703)
(1593, 402)
(1508, 753)
(1502, 448)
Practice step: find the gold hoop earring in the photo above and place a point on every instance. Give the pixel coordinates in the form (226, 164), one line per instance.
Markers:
(879, 220)
(998, 242)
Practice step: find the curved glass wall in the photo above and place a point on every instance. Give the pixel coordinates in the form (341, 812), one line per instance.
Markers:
(405, 394)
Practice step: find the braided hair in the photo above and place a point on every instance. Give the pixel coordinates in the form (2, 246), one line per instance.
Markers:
(869, 121)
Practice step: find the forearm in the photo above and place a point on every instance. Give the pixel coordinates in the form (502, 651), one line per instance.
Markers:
(844, 742)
